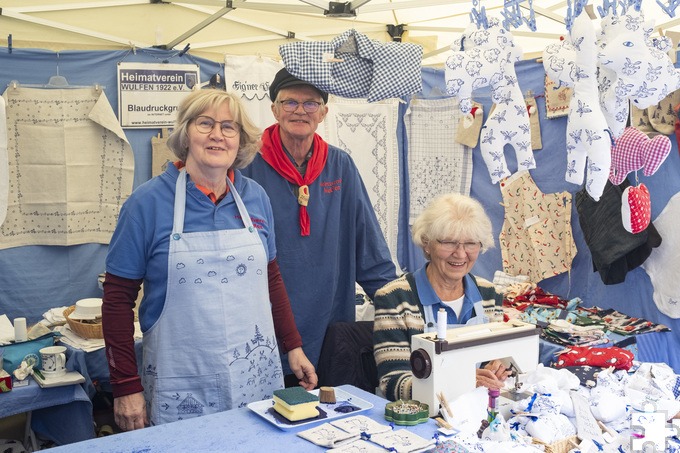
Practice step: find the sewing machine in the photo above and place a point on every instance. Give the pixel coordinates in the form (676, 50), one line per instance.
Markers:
(448, 365)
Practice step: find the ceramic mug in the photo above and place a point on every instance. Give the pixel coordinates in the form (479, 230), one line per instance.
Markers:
(53, 361)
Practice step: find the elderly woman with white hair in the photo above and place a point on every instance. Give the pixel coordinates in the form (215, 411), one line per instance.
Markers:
(452, 231)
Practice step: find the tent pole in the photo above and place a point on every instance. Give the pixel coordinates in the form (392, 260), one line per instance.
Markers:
(198, 27)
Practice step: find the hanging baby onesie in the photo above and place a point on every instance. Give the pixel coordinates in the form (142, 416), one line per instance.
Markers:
(536, 239)
(70, 167)
(367, 132)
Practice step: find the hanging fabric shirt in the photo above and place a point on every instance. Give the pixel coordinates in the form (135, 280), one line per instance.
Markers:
(614, 250)
(354, 66)
(536, 238)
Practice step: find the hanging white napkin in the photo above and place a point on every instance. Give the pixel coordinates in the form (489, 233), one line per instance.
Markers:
(6, 330)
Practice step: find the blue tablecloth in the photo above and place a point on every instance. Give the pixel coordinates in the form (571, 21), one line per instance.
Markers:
(60, 414)
(238, 430)
(93, 366)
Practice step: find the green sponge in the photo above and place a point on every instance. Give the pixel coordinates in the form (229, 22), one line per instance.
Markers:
(295, 395)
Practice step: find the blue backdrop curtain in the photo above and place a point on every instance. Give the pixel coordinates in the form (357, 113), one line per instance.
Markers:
(34, 279)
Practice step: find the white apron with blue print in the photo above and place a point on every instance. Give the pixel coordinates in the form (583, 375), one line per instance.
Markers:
(213, 347)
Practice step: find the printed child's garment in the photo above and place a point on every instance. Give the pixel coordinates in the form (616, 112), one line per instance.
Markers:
(536, 239)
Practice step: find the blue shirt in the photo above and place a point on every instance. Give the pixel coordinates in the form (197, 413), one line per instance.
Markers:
(140, 244)
(427, 296)
(345, 245)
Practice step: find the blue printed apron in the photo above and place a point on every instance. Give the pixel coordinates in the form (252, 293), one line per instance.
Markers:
(213, 347)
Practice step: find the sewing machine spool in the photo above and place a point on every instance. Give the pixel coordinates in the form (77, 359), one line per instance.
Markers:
(449, 365)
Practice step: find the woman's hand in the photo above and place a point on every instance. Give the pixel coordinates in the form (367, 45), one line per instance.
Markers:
(303, 368)
(129, 412)
(492, 375)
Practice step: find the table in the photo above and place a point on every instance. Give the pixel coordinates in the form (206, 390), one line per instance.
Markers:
(238, 430)
(60, 414)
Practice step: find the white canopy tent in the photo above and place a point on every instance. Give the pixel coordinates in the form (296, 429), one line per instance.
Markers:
(215, 28)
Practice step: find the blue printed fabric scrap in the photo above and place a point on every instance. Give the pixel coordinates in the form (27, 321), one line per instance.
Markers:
(354, 66)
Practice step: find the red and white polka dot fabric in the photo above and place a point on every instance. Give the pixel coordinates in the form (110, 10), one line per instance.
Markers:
(619, 358)
(636, 208)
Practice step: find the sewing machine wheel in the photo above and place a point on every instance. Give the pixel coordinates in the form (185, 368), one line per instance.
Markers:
(421, 364)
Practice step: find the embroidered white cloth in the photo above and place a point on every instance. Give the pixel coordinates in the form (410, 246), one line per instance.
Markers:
(663, 265)
(4, 182)
(368, 133)
(70, 167)
(437, 164)
(249, 76)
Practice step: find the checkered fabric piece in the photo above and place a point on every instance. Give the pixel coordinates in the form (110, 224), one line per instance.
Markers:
(354, 66)
(634, 151)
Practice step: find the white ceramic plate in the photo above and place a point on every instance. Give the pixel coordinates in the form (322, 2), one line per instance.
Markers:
(345, 404)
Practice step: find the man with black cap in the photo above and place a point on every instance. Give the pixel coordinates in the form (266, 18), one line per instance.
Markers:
(327, 234)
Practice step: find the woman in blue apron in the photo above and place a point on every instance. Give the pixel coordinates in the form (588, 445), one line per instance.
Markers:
(215, 314)
(452, 231)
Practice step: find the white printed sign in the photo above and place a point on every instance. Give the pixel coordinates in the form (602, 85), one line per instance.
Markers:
(149, 93)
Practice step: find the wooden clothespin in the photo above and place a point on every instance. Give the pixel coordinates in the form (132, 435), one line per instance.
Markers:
(442, 423)
(446, 410)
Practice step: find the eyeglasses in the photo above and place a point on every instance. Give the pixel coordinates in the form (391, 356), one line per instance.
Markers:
(452, 246)
(205, 125)
(290, 105)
